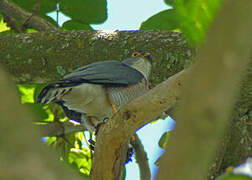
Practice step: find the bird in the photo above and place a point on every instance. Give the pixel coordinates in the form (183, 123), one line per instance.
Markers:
(95, 92)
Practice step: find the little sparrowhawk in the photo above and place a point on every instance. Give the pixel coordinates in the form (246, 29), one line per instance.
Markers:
(97, 91)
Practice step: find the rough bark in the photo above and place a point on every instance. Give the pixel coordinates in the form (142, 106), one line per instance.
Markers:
(237, 142)
(42, 57)
(141, 158)
(60, 128)
(131, 117)
(209, 96)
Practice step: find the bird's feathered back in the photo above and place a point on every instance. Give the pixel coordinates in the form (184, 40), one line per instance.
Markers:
(113, 73)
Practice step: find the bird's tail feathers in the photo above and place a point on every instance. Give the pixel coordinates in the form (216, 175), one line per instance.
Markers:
(53, 93)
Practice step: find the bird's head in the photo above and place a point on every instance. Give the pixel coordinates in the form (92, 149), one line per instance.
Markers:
(141, 61)
(143, 54)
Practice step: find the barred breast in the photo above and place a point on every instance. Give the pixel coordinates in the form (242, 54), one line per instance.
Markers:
(123, 95)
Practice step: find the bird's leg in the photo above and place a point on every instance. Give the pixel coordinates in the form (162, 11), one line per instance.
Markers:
(106, 119)
(99, 125)
(114, 108)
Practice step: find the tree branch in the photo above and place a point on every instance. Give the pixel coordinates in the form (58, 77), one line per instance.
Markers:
(50, 55)
(141, 158)
(130, 118)
(9, 9)
(209, 95)
(60, 128)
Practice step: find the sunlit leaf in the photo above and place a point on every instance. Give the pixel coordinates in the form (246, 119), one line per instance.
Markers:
(50, 140)
(3, 25)
(195, 17)
(230, 176)
(27, 93)
(157, 162)
(164, 140)
(81, 158)
(31, 30)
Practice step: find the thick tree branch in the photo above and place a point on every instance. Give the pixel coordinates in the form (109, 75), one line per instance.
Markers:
(130, 118)
(12, 11)
(49, 56)
(209, 95)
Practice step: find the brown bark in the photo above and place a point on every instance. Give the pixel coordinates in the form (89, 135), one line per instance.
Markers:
(60, 128)
(49, 56)
(13, 13)
(209, 95)
(131, 117)
(236, 145)
(141, 158)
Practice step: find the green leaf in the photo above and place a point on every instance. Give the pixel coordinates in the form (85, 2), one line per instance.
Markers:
(85, 11)
(51, 140)
(44, 7)
(157, 162)
(195, 17)
(164, 140)
(169, 2)
(3, 26)
(81, 11)
(27, 93)
(73, 25)
(230, 176)
(164, 20)
(80, 158)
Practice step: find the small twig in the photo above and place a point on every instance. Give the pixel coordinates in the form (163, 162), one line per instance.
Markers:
(34, 12)
(55, 113)
(18, 14)
(58, 129)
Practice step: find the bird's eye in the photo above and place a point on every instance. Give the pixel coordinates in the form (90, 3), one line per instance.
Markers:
(135, 54)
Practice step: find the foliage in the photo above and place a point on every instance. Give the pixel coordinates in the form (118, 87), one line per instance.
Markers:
(191, 17)
(165, 20)
(164, 140)
(81, 12)
(3, 26)
(233, 177)
(195, 16)
(70, 147)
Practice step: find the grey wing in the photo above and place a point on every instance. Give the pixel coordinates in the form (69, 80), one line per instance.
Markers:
(106, 72)
(123, 95)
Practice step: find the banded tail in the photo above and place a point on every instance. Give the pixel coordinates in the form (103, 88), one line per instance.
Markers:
(53, 92)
